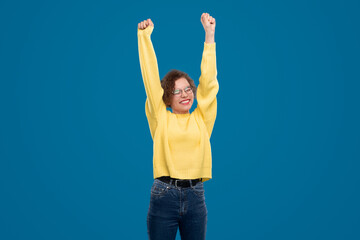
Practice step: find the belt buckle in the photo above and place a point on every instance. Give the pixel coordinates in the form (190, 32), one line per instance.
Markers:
(176, 181)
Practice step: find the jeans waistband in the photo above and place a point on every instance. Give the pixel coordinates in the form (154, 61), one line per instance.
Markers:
(184, 183)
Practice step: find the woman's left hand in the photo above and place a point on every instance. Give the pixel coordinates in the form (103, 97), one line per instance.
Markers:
(208, 23)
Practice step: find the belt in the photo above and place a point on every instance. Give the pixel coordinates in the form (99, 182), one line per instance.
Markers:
(179, 182)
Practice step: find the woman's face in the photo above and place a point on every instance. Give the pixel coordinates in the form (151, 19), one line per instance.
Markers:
(183, 98)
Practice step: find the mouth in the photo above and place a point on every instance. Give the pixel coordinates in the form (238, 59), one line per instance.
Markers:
(185, 102)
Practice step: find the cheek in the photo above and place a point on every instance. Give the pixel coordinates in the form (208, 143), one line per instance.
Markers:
(173, 101)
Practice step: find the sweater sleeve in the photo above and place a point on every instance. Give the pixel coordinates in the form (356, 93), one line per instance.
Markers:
(150, 74)
(208, 87)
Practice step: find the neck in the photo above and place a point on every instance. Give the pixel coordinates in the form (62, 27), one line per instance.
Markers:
(176, 112)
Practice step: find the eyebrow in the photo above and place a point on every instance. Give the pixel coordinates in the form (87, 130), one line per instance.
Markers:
(184, 88)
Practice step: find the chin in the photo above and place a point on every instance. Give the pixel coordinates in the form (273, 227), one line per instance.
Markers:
(182, 108)
(187, 109)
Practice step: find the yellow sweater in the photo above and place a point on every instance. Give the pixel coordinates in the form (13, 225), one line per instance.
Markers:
(181, 141)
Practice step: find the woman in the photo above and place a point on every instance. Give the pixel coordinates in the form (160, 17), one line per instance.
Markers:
(182, 152)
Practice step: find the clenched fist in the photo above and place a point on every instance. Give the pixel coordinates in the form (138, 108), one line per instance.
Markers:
(144, 24)
(208, 23)
(146, 27)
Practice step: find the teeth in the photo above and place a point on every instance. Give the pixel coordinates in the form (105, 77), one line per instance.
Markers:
(185, 101)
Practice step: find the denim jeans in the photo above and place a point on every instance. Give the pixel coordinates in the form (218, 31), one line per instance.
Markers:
(172, 208)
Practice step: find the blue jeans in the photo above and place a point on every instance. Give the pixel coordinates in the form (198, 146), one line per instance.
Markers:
(174, 207)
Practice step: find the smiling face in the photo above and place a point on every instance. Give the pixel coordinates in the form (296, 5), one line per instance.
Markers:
(182, 102)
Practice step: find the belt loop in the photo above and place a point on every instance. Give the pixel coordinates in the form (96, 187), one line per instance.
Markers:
(176, 183)
(191, 183)
(171, 181)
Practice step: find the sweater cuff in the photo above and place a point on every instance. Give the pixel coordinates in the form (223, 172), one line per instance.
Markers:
(209, 46)
(145, 32)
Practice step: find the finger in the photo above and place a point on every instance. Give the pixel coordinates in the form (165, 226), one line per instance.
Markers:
(205, 19)
(150, 22)
(204, 16)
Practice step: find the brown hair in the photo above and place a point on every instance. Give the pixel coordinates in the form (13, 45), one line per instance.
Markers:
(168, 84)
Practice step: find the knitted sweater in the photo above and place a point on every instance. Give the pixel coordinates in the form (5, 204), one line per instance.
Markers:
(181, 141)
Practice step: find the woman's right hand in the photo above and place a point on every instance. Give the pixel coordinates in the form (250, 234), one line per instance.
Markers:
(144, 24)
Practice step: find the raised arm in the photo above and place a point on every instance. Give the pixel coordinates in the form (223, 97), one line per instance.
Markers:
(150, 73)
(208, 84)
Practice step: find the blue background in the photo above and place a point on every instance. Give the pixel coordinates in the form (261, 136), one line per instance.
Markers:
(76, 150)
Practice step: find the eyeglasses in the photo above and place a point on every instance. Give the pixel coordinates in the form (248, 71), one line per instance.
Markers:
(179, 91)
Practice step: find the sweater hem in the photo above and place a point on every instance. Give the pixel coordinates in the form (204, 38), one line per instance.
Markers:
(204, 173)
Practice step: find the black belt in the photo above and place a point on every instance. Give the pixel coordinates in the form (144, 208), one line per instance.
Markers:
(179, 182)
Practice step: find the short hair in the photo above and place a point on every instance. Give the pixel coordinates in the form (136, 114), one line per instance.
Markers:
(168, 84)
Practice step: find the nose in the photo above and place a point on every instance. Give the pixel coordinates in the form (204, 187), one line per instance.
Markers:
(183, 92)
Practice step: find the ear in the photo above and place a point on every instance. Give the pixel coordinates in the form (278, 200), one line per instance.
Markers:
(170, 100)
